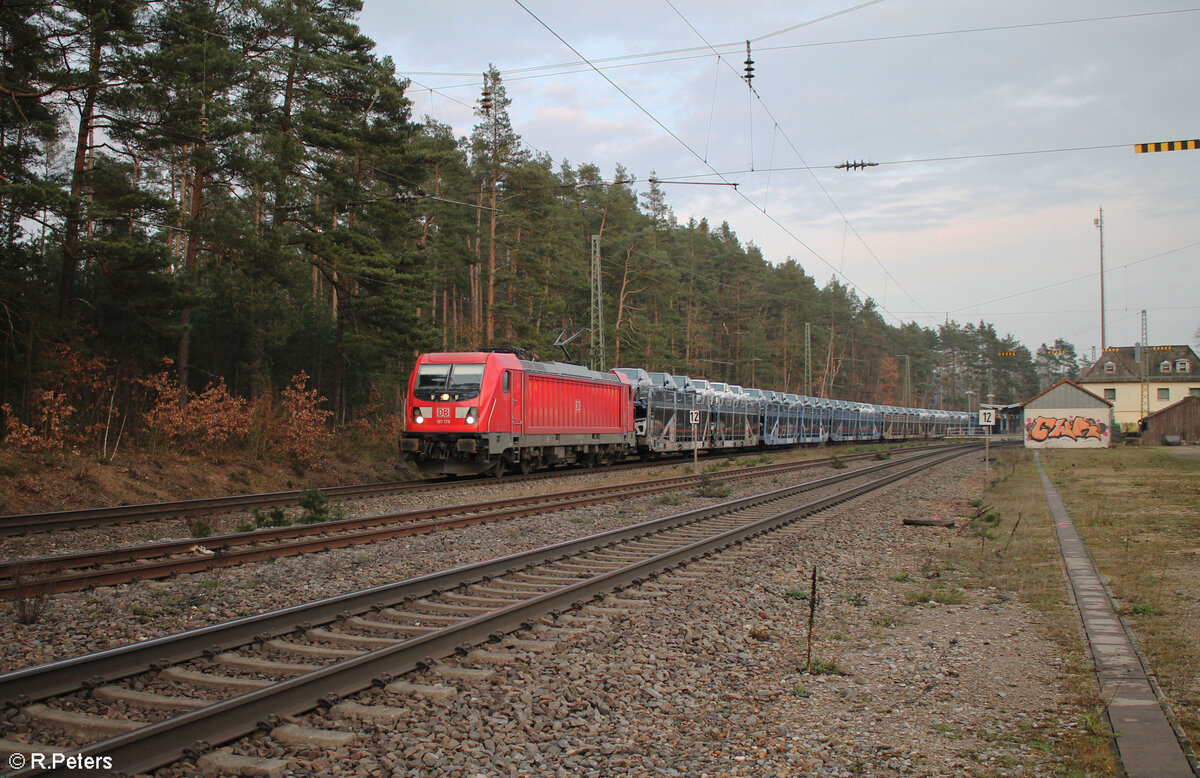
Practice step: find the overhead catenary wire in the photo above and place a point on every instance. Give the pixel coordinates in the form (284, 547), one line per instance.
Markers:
(667, 179)
(1093, 274)
(914, 161)
(755, 95)
(811, 22)
(790, 233)
(697, 52)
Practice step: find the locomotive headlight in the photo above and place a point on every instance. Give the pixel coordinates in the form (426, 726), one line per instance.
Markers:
(445, 398)
(417, 416)
(472, 415)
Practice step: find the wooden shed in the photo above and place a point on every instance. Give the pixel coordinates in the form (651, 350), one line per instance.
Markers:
(1067, 416)
(1181, 421)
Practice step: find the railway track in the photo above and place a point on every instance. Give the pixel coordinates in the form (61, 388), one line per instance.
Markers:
(38, 576)
(31, 523)
(141, 706)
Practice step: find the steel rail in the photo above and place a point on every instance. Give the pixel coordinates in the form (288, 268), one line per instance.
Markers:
(158, 744)
(245, 547)
(83, 518)
(20, 687)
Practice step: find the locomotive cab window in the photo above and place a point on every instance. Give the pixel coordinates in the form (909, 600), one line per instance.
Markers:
(506, 382)
(448, 383)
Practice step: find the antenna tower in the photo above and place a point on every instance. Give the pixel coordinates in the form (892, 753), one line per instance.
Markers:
(597, 308)
(1145, 362)
(1103, 319)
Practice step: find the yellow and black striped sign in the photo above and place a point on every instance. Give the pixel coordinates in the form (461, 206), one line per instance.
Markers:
(1171, 145)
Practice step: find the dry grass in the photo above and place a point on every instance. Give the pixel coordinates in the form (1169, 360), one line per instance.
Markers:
(1138, 510)
(1018, 555)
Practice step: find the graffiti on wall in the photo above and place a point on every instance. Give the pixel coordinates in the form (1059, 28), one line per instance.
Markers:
(1043, 428)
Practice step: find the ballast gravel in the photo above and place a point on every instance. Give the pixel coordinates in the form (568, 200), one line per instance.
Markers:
(705, 679)
(708, 680)
(81, 622)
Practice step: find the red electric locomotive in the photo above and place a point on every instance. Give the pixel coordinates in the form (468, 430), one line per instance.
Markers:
(487, 411)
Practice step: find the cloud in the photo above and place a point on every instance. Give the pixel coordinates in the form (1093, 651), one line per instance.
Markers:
(952, 232)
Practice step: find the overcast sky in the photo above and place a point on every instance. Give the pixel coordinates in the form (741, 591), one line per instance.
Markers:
(1000, 127)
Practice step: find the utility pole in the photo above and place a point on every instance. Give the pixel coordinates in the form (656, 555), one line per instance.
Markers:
(1099, 222)
(1144, 363)
(907, 380)
(808, 359)
(597, 308)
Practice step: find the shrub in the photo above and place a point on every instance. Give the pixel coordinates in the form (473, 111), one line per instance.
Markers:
(304, 431)
(199, 527)
(316, 507)
(941, 596)
(370, 426)
(67, 409)
(712, 487)
(275, 517)
(823, 667)
(52, 433)
(200, 424)
(982, 526)
(29, 600)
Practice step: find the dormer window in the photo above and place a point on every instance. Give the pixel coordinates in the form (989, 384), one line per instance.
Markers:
(1109, 367)
(1164, 366)
(1182, 366)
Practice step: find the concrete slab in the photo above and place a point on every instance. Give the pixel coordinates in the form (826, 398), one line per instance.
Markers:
(224, 763)
(147, 699)
(265, 666)
(81, 724)
(210, 681)
(520, 644)
(484, 657)
(296, 735)
(400, 631)
(468, 674)
(10, 747)
(342, 639)
(323, 652)
(433, 691)
(1146, 742)
(356, 710)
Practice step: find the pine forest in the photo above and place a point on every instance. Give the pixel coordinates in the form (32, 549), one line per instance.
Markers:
(222, 223)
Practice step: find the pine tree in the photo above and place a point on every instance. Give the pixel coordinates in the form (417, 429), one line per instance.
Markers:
(180, 115)
(495, 152)
(30, 195)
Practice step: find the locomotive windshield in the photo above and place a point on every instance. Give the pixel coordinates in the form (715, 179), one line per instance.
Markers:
(448, 383)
